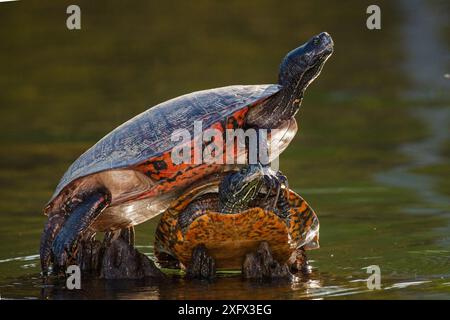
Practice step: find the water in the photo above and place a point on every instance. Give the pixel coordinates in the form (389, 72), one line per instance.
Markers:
(371, 156)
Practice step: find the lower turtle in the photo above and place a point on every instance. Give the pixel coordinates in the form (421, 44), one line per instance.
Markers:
(221, 223)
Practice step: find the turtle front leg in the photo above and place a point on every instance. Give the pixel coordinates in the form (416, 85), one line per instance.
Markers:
(202, 265)
(83, 211)
(274, 182)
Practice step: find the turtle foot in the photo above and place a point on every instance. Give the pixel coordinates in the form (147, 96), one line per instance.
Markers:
(202, 265)
(261, 265)
(274, 181)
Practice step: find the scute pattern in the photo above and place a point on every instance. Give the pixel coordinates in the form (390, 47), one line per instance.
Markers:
(228, 237)
(148, 134)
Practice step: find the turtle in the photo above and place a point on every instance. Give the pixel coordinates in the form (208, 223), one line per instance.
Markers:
(229, 217)
(131, 176)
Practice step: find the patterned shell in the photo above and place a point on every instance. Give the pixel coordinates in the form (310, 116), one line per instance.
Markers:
(229, 237)
(147, 135)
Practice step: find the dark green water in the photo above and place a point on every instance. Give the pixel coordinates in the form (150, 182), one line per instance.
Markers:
(371, 156)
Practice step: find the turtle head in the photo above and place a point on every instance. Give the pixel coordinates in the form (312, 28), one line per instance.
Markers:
(297, 70)
(305, 63)
(237, 189)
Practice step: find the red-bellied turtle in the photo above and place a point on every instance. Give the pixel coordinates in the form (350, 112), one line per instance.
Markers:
(130, 176)
(230, 217)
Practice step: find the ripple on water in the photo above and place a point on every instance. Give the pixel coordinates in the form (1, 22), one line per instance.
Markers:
(24, 258)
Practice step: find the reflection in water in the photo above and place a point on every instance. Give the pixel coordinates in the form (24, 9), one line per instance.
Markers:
(312, 286)
(317, 285)
(420, 154)
(224, 287)
(25, 258)
(402, 285)
(426, 53)
(426, 64)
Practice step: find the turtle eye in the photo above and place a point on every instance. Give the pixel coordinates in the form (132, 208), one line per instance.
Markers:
(244, 170)
(316, 41)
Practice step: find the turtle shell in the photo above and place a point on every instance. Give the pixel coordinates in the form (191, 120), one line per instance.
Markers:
(229, 237)
(134, 161)
(147, 136)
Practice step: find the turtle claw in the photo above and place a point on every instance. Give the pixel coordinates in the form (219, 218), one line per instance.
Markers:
(202, 265)
(275, 182)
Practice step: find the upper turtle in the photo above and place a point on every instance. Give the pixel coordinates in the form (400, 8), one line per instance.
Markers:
(141, 147)
(148, 134)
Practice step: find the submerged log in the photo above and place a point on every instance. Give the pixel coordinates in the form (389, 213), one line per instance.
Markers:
(116, 259)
